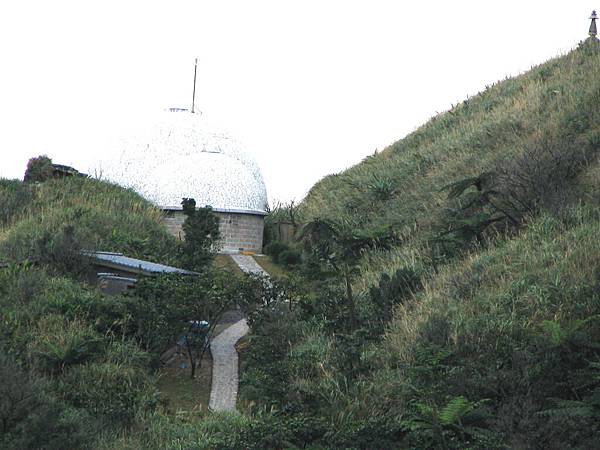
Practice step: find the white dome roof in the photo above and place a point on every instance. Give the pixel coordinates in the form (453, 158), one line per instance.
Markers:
(179, 156)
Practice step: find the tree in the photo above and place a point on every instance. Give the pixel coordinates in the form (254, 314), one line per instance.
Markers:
(201, 228)
(340, 245)
(175, 307)
(38, 170)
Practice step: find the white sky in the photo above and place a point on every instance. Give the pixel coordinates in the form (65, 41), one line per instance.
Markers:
(309, 87)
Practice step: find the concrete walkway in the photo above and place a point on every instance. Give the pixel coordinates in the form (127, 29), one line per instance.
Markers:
(248, 264)
(224, 388)
(223, 391)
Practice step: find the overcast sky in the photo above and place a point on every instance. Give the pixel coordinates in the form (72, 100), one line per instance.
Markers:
(309, 87)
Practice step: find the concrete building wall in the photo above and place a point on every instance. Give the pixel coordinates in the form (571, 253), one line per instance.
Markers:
(239, 231)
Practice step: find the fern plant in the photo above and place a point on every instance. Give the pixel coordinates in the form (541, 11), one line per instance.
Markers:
(459, 417)
(588, 407)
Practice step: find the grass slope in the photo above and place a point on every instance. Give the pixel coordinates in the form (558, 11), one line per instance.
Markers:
(103, 217)
(553, 105)
(512, 324)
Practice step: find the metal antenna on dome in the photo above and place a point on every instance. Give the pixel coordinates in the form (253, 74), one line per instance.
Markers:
(194, 91)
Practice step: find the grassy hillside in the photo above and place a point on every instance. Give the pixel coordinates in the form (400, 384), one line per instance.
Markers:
(73, 362)
(516, 328)
(101, 216)
(496, 204)
(480, 328)
(522, 129)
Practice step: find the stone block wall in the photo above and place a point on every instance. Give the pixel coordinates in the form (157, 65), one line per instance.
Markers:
(173, 221)
(239, 231)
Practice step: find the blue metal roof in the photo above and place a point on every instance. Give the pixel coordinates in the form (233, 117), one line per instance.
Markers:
(134, 264)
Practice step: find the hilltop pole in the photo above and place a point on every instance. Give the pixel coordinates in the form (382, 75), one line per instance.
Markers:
(593, 29)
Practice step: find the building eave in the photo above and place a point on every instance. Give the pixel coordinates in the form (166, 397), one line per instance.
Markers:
(253, 212)
(118, 261)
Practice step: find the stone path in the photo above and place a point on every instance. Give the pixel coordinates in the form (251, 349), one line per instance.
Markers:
(248, 264)
(224, 388)
(223, 391)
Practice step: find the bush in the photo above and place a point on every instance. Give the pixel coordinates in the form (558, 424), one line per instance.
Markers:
(61, 251)
(57, 344)
(543, 176)
(164, 305)
(290, 257)
(52, 425)
(38, 170)
(115, 391)
(17, 394)
(201, 228)
(274, 249)
(20, 285)
(275, 329)
(31, 418)
(392, 291)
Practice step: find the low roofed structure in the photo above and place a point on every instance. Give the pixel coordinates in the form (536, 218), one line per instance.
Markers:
(117, 273)
(133, 266)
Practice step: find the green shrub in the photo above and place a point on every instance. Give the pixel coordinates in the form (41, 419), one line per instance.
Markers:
(62, 251)
(164, 305)
(31, 418)
(274, 249)
(52, 425)
(275, 329)
(392, 291)
(382, 189)
(290, 258)
(57, 344)
(17, 394)
(115, 391)
(20, 285)
(38, 170)
(202, 235)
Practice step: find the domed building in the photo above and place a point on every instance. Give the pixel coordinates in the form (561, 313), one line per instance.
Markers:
(181, 157)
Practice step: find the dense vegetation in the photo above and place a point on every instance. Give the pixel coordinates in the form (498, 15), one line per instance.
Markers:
(444, 293)
(76, 365)
(480, 327)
